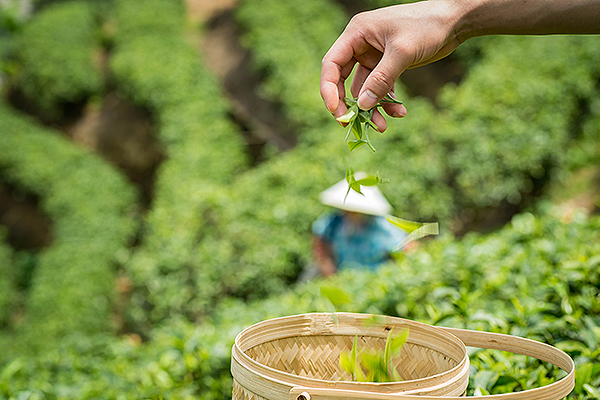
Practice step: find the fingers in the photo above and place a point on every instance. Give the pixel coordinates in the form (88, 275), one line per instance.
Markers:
(382, 79)
(379, 120)
(335, 68)
(360, 75)
(393, 109)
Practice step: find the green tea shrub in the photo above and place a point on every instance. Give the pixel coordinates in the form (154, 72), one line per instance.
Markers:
(497, 139)
(156, 67)
(411, 155)
(583, 151)
(288, 41)
(501, 135)
(56, 51)
(510, 121)
(254, 239)
(91, 206)
(536, 278)
(175, 364)
(11, 21)
(258, 238)
(7, 279)
(160, 18)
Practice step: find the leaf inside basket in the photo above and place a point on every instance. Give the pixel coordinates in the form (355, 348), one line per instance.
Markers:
(372, 365)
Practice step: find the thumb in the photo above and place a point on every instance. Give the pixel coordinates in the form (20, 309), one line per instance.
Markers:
(380, 81)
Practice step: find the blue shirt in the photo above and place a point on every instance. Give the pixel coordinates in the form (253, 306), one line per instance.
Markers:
(365, 247)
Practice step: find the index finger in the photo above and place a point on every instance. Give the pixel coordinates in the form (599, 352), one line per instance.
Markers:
(335, 68)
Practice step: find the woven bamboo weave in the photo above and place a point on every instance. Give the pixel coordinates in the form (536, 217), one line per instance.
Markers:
(297, 358)
(305, 350)
(318, 357)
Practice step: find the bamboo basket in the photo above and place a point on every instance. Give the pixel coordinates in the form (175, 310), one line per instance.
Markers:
(296, 358)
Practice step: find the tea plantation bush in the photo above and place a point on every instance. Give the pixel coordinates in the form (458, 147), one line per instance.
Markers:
(257, 238)
(497, 139)
(56, 53)
(7, 280)
(91, 207)
(538, 278)
(157, 68)
(220, 237)
(257, 235)
(530, 114)
(584, 150)
(502, 133)
(288, 41)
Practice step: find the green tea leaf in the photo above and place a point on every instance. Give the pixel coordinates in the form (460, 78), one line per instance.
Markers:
(399, 341)
(389, 99)
(367, 138)
(373, 125)
(396, 376)
(356, 187)
(369, 360)
(405, 224)
(416, 230)
(346, 363)
(355, 144)
(364, 116)
(350, 102)
(369, 181)
(347, 193)
(336, 295)
(592, 390)
(349, 116)
(370, 365)
(348, 133)
(357, 129)
(349, 174)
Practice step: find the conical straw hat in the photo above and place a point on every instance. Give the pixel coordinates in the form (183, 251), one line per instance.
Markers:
(373, 202)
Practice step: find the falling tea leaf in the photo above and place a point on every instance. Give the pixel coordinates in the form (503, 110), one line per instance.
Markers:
(415, 230)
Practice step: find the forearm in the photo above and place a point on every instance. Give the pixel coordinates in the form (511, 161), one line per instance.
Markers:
(527, 17)
(323, 257)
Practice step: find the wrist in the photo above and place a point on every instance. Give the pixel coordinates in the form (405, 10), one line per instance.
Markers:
(467, 21)
(525, 17)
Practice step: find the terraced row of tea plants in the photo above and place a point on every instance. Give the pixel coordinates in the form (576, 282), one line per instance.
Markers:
(222, 242)
(537, 277)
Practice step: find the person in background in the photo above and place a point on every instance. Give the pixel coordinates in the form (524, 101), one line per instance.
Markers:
(356, 235)
(385, 42)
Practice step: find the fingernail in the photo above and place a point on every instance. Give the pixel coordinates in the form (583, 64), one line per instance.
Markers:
(331, 107)
(399, 114)
(367, 100)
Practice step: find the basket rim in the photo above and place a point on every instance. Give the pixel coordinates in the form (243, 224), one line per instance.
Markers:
(406, 386)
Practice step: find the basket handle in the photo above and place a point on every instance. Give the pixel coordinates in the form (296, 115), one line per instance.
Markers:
(484, 340)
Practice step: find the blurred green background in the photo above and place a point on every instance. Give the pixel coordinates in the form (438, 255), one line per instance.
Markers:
(160, 163)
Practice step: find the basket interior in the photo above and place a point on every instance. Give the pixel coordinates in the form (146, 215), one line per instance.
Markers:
(317, 356)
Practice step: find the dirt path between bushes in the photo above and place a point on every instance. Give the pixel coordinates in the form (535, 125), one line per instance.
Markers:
(218, 36)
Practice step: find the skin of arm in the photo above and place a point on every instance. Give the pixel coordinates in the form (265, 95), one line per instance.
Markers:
(323, 257)
(385, 42)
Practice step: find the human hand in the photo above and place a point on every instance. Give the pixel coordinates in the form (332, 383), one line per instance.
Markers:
(384, 43)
